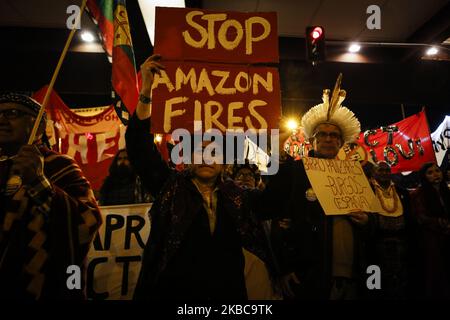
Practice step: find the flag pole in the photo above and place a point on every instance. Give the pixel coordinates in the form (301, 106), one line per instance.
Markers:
(55, 75)
(15, 181)
(403, 110)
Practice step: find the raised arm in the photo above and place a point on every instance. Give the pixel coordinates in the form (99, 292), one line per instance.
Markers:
(142, 151)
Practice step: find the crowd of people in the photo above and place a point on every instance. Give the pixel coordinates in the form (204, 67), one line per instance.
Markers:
(218, 234)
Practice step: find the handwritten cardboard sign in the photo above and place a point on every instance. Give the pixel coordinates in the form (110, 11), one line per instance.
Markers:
(204, 35)
(214, 71)
(340, 186)
(220, 96)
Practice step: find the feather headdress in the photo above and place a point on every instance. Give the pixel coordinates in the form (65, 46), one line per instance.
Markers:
(332, 112)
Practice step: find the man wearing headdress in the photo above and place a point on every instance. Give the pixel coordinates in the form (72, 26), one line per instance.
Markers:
(48, 213)
(319, 254)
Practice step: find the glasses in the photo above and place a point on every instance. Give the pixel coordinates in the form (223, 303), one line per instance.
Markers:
(322, 135)
(11, 114)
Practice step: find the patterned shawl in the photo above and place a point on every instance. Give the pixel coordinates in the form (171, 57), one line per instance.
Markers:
(173, 213)
(47, 227)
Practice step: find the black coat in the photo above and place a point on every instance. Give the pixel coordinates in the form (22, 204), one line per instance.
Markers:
(178, 209)
(306, 247)
(395, 250)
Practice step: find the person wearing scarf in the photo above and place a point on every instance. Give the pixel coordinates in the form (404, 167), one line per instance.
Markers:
(200, 222)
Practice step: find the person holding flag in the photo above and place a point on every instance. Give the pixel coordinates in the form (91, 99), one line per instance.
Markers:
(48, 213)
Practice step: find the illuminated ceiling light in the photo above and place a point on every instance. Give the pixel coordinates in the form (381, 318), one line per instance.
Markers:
(292, 124)
(87, 36)
(148, 13)
(432, 51)
(354, 47)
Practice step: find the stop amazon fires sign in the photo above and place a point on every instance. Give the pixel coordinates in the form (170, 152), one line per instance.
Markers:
(211, 74)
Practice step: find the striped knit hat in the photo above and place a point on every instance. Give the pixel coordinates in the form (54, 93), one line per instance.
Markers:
(23, 100)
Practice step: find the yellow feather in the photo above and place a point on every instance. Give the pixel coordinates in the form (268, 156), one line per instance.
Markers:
(334, 97)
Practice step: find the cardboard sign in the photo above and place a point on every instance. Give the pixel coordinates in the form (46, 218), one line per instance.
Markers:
(204, 35)
(115, 257)
(114, 260)
(220, 96)
(209, 76)
(340, 186)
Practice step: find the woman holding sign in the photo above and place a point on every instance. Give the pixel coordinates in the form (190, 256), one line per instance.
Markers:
(200, 223)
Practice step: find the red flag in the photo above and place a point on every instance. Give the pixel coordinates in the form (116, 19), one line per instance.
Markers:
(102, 14)
(405, 145)
(112, 19)
(91, 137)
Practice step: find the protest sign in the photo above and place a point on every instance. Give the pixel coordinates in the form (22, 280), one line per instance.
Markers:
(213, 73)
(114, 260)
(340, 185)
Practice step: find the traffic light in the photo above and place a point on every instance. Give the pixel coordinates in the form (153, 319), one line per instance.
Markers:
(315, 43)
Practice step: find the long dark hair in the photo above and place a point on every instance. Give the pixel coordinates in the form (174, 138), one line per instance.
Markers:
(432, 195)
(111, 179)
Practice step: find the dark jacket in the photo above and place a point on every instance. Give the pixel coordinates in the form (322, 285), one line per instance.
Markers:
(433, 218)
(393, 246)
(177, 210)
(306, 247)
(44, 228)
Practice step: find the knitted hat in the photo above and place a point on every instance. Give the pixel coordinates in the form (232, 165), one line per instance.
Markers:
(23, 100)
(247, 165)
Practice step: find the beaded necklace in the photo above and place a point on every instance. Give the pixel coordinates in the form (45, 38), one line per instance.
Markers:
(385, 195)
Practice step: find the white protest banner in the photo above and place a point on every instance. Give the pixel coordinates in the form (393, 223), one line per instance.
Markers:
(340, 186)
(255, 154)
(441, 140)
(114, 260)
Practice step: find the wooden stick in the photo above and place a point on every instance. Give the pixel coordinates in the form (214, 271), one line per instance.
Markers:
(55, 75)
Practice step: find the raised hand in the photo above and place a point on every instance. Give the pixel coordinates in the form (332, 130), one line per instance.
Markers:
(149, 68)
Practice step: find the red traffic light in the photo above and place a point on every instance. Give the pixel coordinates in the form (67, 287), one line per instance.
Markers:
(316, 33)
(315, 43)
